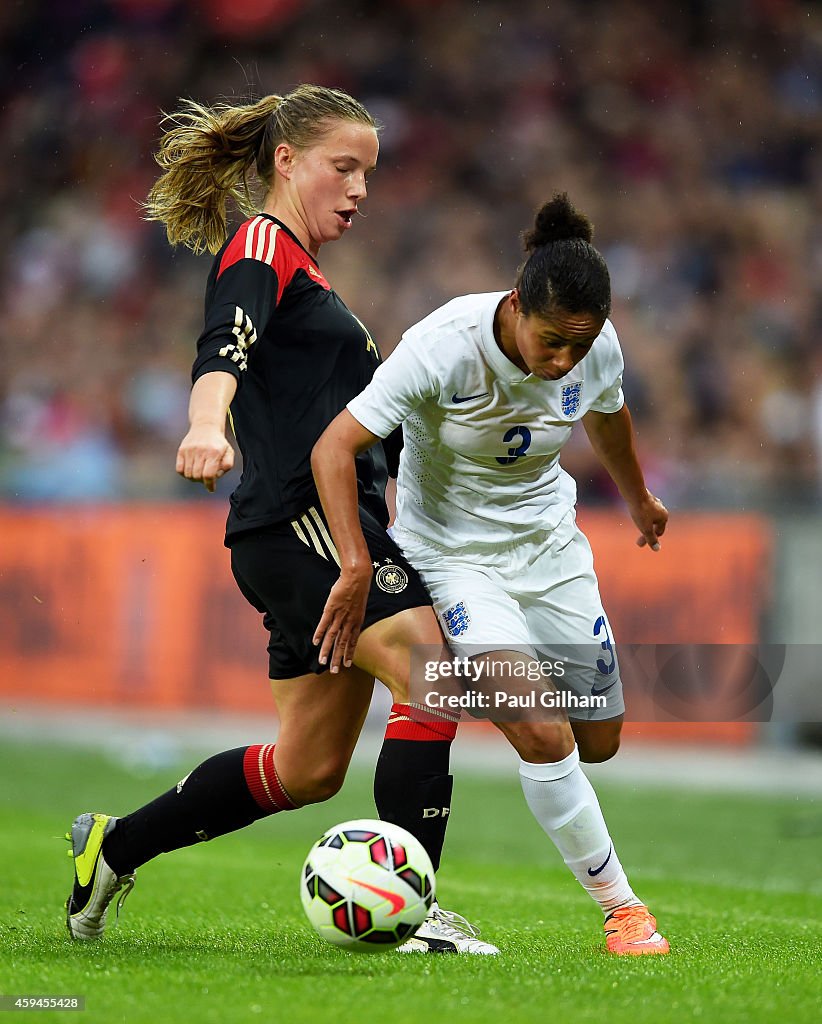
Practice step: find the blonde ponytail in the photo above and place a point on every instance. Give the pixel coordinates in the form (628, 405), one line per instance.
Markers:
(206, 154)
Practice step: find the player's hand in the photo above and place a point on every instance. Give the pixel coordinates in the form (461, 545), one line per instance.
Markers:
(204, 455)
(339, 628)
(651, 517)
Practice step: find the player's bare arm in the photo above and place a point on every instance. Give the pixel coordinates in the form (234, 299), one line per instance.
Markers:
(332, 462)
(612, 438)
(205, 454)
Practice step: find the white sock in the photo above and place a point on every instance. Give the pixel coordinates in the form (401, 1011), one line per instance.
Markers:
(564, 803)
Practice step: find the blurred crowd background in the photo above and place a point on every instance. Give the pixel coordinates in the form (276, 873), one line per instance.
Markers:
(688, 131)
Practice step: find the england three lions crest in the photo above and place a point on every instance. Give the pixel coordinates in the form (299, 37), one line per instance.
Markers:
(570, 398)
(456, 619)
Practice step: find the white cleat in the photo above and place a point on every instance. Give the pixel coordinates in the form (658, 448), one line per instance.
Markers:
(443, 931)
(95, 884)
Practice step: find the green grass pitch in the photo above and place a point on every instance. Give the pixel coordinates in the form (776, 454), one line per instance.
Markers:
(216, 932)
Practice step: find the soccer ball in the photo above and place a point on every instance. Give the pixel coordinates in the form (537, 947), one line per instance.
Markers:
(367, 885)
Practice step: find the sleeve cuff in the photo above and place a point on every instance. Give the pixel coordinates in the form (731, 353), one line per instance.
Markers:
(380, 429)
(215, 363)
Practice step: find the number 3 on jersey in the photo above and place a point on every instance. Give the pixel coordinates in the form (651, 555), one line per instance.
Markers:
(524, 436)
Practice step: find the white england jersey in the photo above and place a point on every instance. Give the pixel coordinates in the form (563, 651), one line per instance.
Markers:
(480, 467)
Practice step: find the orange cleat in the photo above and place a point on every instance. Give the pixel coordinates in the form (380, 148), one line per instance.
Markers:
(631, 931)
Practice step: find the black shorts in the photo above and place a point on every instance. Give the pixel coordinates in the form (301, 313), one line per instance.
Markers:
(286, 572)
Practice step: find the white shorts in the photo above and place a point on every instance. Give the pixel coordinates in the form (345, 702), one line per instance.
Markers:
(540, 597)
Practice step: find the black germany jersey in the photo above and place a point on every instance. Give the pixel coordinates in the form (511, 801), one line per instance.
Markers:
(299, 356)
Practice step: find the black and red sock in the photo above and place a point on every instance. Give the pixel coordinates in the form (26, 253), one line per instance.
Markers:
(225, 793)
(412, 786)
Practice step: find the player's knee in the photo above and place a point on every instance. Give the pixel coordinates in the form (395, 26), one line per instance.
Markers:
(538, 742)
(596, 749)
(383, 648)
(398, 684)
(319, 784)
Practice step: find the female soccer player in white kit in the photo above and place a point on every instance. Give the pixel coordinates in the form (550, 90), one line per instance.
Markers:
(487, 389)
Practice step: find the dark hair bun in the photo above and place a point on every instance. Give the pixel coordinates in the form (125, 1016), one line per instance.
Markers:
(556, 221)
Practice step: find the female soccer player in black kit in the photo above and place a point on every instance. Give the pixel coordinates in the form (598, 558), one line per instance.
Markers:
(281, 355)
